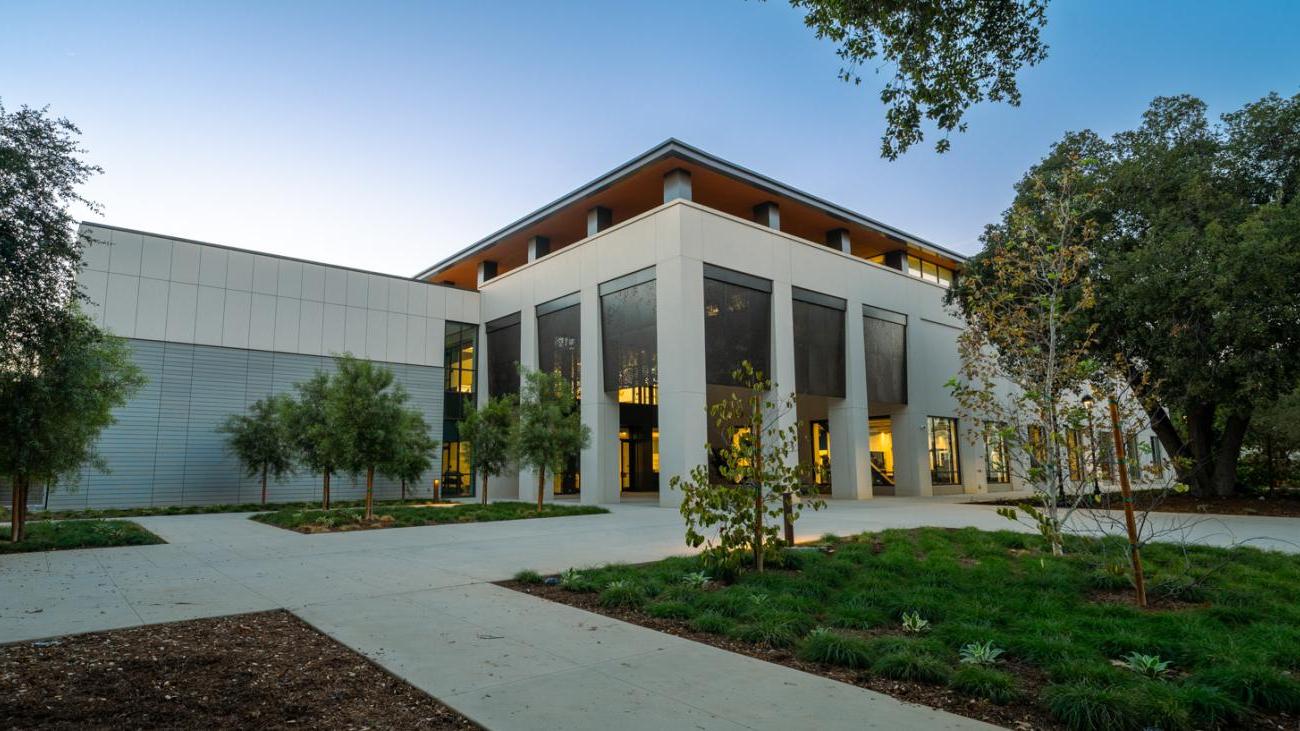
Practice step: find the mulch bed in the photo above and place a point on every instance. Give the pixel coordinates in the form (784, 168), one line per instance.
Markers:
(264, 670)
(1285, 505)
(1016, 715)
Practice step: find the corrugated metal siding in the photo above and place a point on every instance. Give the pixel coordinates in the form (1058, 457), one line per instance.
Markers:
(165, 450)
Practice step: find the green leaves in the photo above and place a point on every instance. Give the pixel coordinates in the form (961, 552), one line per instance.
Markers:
(261, 438)
(946, 56)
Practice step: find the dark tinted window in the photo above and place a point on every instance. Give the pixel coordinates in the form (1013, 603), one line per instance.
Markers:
(503, 359)
(737, 327)
(886, 345)
(629, 348)
(818, 350)
(558, 343)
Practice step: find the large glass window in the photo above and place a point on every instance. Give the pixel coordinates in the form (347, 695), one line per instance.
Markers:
(929, 271)
(737, 324)
(1134, 459)
(1157, 458)
(559, 341)
(628, 338)
(997, 460)
(503, 356)
(881, 444)
(818, 344)
(944, 466)
(885, 339)
(459, 364)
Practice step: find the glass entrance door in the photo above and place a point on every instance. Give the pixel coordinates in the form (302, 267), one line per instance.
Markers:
(882, 454)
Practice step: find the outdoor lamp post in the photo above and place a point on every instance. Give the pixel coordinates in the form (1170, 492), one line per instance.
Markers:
(1092, 444)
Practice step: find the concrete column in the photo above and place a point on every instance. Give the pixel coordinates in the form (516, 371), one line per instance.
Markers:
(599, 461)
(849, 417)
(911, 453)
(538, 246)
(783, 375)
(598, 219)
(486, 270)
(677, 184)
(528, 361)
(768, 214)
(683, 397)
(838, 239)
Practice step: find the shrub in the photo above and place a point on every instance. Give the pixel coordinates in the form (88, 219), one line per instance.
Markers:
(621, 593)
(823, 645)
(528, 576)
(712, 623)
(1257, 686)
(980, 653)
(912, 622)
(576, 581)
(911, 664)
(1150, 666)
(982, 682)
(670, 610)
(695, 579)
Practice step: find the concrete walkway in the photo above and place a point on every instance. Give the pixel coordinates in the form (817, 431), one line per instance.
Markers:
(419, 602)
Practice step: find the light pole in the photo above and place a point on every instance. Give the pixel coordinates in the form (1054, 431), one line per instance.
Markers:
(1092, 444)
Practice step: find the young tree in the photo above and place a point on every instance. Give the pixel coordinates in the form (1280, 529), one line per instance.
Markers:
(261, 439)
(40, 251)
(946, 56)
(490, 432)
(367, 406)
(314, 434)
(1025, 359)
(415, 451)
(761, 476)
(550, 430)
(55, 408)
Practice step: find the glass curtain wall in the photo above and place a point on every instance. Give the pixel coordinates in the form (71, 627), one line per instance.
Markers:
(882, 453)
(559, 350)
(503, 356)
(997, 460)
(818, 343)
(459, 363)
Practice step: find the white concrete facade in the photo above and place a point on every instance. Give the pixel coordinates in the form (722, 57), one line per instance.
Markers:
(677, 239)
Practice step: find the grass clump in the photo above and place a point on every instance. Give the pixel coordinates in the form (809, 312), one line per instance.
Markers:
(1087, 707)
(528, 576)
(621, 593)
(825, 646)
(1255, 686)
(712, 623)
(912, 665)
(670, 610)
(984, 682)
(777, 630)
(66, 535)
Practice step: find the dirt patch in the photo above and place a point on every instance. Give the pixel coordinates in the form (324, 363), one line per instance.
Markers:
(1284, 505)
(1019, 715)
(264, 670)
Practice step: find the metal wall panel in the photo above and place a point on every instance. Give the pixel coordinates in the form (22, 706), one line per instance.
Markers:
(165, 450)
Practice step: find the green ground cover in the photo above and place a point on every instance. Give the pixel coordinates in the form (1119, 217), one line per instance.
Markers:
(1231, 641)
(47, 536)
(35, 515)
(404, 516)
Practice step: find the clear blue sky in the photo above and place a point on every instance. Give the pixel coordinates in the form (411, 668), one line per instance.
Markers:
(388, 135)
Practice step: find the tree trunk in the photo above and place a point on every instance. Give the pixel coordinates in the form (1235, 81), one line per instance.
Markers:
(1200, 436)
(757, 431)
(485, 479)
(541, 484)
(326, 502)
(403, 490)
(1225, 463)
(264, 484)
(18, 516)
(370, 493)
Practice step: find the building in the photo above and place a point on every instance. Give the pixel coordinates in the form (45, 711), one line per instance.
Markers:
(645, 287)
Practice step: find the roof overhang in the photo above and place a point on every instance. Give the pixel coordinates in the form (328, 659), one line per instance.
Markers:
(673, 148)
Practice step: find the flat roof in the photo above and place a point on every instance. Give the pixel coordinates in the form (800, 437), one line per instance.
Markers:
(676, 148)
